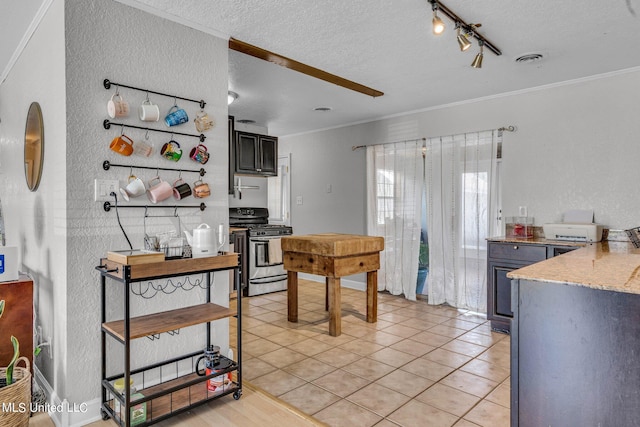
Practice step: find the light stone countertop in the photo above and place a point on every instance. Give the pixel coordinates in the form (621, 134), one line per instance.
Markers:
(612, 266)
(534, 241)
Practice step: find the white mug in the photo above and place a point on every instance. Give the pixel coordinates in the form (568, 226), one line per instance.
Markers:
(117, 106)
(134, 188)
(148, 112)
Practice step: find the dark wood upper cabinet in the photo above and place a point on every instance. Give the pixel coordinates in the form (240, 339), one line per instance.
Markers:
(256, 154)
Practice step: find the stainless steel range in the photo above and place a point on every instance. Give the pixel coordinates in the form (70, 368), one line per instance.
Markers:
(266, 273)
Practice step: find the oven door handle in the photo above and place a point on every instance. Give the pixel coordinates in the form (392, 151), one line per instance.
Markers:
(270, 280)
(253, 240)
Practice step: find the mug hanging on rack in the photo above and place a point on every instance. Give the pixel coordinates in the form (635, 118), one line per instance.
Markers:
(199, 154)
(122, 145)
(135, 187)
(171, 150)
(117, 106)
(176, 116)
(159, 191)
(148, 112)
(203, 121)
(181, 189)
(201, 189)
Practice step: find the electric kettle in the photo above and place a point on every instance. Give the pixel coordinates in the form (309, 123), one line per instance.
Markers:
(202, 241)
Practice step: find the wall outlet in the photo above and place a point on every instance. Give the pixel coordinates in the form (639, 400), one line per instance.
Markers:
(328, 188)
(103, 189)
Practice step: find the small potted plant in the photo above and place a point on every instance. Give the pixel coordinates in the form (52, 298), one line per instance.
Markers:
(15, 387)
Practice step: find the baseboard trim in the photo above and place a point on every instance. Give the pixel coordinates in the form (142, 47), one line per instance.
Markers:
(346, 283)
(67, 414)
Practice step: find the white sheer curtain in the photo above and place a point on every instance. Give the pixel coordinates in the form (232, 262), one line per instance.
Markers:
(394, 184)
(462, 212)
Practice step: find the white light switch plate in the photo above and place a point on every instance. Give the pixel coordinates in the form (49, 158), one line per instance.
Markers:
(103, 189)
(298, 200)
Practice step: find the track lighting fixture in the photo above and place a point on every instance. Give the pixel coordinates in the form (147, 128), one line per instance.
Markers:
(463, 41)
(477, 61)
(464, 32)
(438, 25)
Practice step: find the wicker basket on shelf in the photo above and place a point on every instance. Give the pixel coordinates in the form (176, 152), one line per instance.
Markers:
(16, 396)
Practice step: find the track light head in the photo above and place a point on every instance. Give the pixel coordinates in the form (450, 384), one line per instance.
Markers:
(477, 61)
(463, 41)
(438, 24)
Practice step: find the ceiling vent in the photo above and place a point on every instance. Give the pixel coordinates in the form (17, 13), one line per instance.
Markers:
(246, 121)
(529, 58)
(322, 109)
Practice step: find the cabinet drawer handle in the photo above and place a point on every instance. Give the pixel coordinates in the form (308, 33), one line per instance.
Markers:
(515, 248)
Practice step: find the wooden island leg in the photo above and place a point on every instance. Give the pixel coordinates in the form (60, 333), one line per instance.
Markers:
(335, 324)
(326, 294)
(292, 296)
(372, 296)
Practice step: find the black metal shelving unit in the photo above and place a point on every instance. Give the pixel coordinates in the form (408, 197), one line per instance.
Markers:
(172, 386)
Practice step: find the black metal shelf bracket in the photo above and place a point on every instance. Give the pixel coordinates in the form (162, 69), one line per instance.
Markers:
(107, 164)
(107, 85)
(107, 206)
(107, 125)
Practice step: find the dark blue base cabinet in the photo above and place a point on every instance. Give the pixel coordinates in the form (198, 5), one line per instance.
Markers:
(575, 356)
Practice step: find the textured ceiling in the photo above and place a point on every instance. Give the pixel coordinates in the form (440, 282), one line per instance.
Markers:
(388, 45)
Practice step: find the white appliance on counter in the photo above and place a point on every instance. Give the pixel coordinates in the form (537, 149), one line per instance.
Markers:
(574, 232)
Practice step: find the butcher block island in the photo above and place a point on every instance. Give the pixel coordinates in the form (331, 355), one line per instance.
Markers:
(333, 256)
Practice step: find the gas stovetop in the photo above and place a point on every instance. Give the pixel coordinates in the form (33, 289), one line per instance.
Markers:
(256, 220)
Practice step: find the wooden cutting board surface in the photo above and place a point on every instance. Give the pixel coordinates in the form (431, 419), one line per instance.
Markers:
(332, 244)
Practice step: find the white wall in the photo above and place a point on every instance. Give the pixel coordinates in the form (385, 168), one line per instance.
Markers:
(61, 231)
(576, 147)
(37, 222)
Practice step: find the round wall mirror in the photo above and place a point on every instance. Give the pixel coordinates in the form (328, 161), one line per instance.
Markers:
(33, 146)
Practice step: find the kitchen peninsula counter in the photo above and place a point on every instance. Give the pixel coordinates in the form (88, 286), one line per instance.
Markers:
(611, 266)
(575, 337)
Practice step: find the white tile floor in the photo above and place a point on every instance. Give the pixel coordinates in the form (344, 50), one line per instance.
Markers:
(418, 365)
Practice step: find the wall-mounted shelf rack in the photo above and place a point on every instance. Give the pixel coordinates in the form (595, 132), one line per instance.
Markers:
(107, 85)
(107, 206)
(106, 165)
(107, 125)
